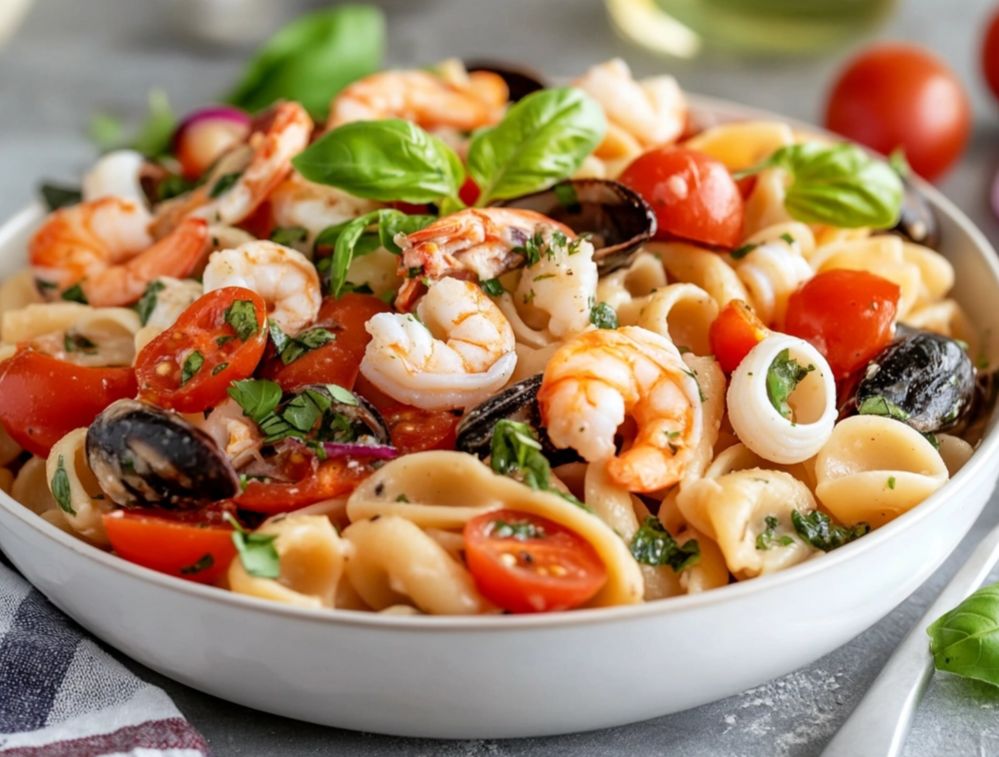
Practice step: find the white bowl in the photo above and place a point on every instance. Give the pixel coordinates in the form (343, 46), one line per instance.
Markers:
(513, 676)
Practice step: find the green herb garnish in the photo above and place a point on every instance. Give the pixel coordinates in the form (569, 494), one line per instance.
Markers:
(256, 551)
(204, 563)
(603, 316)
(78, 343)
(147, 303)
(817, 529)
(652, 544)
(783, 377)
(194, 363)
(60, 488)
(242, 316)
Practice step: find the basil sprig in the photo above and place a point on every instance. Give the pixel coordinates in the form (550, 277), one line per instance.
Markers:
(383, 160)
(543, 139)
(653, 545)
(312, 58)
(965, 641)
(352, 239)
(840, 185)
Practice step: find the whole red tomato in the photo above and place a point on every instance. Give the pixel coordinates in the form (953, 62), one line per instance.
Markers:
(901, 96)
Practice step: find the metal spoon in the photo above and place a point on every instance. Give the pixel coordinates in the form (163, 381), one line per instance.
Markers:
(878, 727)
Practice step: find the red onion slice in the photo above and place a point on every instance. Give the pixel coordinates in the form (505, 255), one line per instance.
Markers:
(206, 134)
(379, 451)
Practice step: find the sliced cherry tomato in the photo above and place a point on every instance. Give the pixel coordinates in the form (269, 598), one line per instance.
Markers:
(335, 362)
(525, 563)
(693, 195)
(195, 551)
(849, 316)
(219, 339)
(734, 333)
(332, 478)
(416, 430)
(260, 223)
(42, 398)
(902, 96)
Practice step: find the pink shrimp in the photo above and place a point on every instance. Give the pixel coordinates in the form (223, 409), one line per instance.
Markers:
(104, 247)
(477, 243)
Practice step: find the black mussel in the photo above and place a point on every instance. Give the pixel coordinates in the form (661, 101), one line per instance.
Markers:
(144, 455)
(328, 413)
(917, 221)
(515, 403)
(521, 81)
(924, 379)
(617, 219)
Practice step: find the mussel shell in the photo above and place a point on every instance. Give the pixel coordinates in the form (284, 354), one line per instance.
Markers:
(364, 419)
(516, 403)
(917, 221)
(144, 455)
(617, 218)
(927, 375)
(520, 80)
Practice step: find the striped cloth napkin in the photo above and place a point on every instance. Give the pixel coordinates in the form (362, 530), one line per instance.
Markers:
(62, 696)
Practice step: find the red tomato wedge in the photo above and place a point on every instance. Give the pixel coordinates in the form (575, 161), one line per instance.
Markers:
(42, 398)
(336, 362)
(849, 316)
(219, 339)
(193, 551)
(332, 478)
(416, 430)
(735, 331)
(692, 194)
(525, 563)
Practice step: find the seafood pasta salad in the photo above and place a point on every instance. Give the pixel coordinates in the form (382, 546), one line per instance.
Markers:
(450, 353)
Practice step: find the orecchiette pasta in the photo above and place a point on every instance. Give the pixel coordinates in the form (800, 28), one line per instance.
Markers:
(694, 265)
(85, 502)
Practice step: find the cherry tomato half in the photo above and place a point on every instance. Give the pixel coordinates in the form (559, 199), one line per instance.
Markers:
(194, 551)
(332, 478)
(849, 316)
(901, 96)
(42, 398)
(525, 563)
(693, 195)
(416, 430)
(336, 362)
(219, 339)
(734, 333)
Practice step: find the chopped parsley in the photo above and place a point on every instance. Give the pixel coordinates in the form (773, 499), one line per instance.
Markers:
(194, 363)
(219, 368)
(224, 183)
(291, 349)
(204, 563)
(516, 452)
(787, 238)
(492, 287)
(529, 297)
(520, 531)
(817, 529)
(891, 482)
(256, 551)
(147, 303)
(289, 236)
(768, 538)
(653, 545)
(783, 376)
(75, 294)
(880, 406)
(532, 248)
(603, 316)
(740, 252)
(402, 498)
(60, 488)
(78, 343)
(242, 316)
(174, 185)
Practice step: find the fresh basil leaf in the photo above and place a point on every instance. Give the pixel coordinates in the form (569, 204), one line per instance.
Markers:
(194, 363)
(782, 378)
(345, 239)
(603, 316)
(393, 224)
(157, 128)
(840, 185)
(203, 563)
(341, 395)
(383, 160)
(256, 551)
(280, 339)
(652, 544)
(740, 252)
(817, 529)
(965, 641)
(492, 287)
(305, 343)
(106, 131)
(543, 139)
(78, 343)
(242, 316)
(289, 236)
(311, 59)
(60, 488)
(258, 397)
(224, 183)
(876, 405)
(75, 294)
(56, 197)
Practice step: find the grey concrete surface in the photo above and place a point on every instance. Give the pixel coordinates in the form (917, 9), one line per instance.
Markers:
(72, 57)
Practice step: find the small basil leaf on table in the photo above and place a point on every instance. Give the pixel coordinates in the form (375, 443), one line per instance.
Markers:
(965, 641)
(543, 139)
(312, 58)
(383, 160)
(840, 185)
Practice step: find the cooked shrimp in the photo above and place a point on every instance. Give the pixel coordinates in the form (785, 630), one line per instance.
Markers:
(455, 352)
(477, 242)
(429, 101)
(115, 174)
(640, 114)
(598, 378)
(298, 202)
(283, 277)
(104, 247)
(260, 165)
